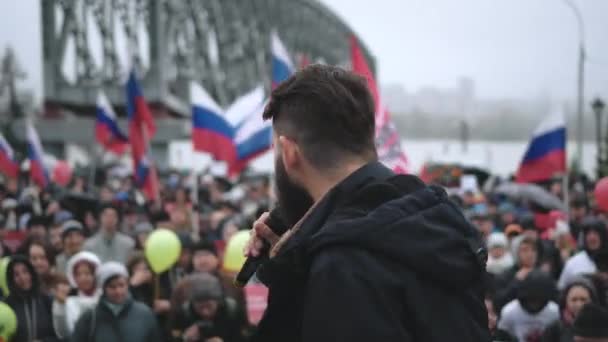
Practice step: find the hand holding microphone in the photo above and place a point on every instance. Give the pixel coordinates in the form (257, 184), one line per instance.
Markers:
(265, 233)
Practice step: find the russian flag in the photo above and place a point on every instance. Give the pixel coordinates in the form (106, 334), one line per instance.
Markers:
(107, 132)
(38, 173)
(253, 135)
(282, 66)
(211, 131)
(546, 154)
(8, 165)
(141, 131)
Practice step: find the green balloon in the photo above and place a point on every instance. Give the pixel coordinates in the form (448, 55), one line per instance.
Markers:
(8, 322)
(3, 281)
(162, 250)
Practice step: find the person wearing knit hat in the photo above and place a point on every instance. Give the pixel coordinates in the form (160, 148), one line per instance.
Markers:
(117, 317)
(81, 270)
(574, 297)
(591, 325)
(499, 258)
(72, 235)
(208, 313)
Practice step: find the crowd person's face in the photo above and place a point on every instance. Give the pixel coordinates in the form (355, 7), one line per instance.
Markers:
(116, 290)
(180, 196)
(531, 233)
(206, 309)
(38, 231)
(73, 242)
(22, 277)
(184, 258)
(508, 218)
(205, 261)
(484, 226)
(55, 237)
(497, 252)
(229, 231)
(179, 218)
(84, 277)
(106, 195)
(109, 220)
(577, 297)
(293, 199)
(39, 259)
(468, 199)
(593, 241)
(578, 213)
(527, 255)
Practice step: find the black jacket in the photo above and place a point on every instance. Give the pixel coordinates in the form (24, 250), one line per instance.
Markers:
(228, 324)
(32, 308)
(380, 258)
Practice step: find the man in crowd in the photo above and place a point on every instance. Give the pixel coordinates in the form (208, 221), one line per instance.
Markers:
(72, 235)
(109, 244)
(362, 238)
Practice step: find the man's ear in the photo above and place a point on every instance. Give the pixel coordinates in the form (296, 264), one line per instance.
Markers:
(290, 152)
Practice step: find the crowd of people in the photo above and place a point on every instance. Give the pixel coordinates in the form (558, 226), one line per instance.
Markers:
(77, 271)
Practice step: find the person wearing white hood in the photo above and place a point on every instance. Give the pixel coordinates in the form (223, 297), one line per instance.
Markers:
(499, 258)
(81, 270)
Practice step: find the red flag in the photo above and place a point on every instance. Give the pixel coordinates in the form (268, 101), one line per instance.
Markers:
(388, 141)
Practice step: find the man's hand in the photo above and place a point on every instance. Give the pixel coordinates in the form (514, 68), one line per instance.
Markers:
(192, 333)
(141, 277)
(162, 306)
(260, 233)
(523, 273)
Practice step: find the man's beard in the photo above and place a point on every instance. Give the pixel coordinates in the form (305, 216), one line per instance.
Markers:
(293, 200)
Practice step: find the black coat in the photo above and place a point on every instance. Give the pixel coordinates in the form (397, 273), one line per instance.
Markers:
(32, 308)
(228, 324)
(380, 258)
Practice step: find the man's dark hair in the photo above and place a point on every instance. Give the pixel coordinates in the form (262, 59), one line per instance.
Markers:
(528, 241)
(328, 111)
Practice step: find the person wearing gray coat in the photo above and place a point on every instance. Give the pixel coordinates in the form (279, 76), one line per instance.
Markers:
(117, 317)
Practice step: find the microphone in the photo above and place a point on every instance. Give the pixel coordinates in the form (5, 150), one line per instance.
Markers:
(278, 226)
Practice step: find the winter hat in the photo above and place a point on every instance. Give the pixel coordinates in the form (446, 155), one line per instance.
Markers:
(591, 322)
(71, 226)
(205, 286)
(87, 257)
(110, 270)
(497, 240)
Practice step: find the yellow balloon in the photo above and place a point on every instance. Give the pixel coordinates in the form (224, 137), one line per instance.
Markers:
(162, 250)
(3, 281)
(8, 322)
(233, 255)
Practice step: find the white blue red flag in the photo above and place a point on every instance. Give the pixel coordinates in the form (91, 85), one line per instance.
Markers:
(38, 172)
(8, 164)
(211, 131)
(282, 65)
(546, 153)
(141, 131)
(107, 131)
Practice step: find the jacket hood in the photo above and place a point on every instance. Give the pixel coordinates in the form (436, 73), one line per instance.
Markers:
(583, 282)
(415, 225)
(75, 260)
(10, 276)
(593, 224)
(539, 286)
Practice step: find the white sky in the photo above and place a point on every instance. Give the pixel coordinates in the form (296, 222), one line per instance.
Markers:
(511, 48)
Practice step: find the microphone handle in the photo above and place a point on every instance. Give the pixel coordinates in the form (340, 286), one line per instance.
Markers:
(252, 263)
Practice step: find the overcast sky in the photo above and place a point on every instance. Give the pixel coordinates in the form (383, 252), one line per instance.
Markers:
(510, 48)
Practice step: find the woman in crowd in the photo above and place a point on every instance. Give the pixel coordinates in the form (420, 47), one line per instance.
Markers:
(117, 317)
(40, 255)
(574, 297)
(32, 307)
(499, 258)
(525, 253)
(81, 275)
(595, 239)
